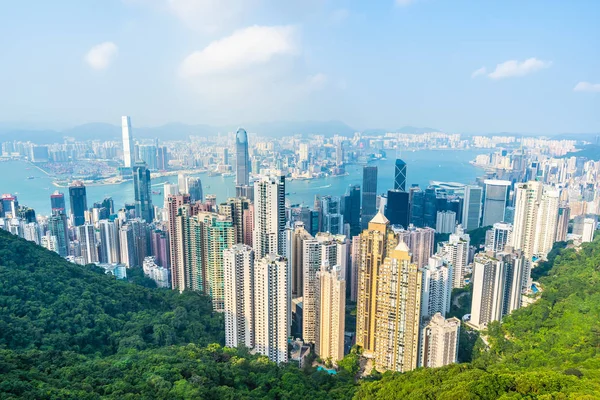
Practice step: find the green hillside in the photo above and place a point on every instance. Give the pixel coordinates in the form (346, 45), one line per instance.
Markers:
(71, 332)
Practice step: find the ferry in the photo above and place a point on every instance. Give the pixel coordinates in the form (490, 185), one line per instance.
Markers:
(31, 177)
(156, 192)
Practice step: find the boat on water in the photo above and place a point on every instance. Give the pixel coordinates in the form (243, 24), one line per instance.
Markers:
(156, 192)
(31, 177)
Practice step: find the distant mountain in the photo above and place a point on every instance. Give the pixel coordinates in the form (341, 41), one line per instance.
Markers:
(415, 131)
(177, 131)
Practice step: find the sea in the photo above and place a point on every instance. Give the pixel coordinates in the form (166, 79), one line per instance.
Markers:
(423, 166)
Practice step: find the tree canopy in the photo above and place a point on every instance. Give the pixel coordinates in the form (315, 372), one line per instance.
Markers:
(72, 332)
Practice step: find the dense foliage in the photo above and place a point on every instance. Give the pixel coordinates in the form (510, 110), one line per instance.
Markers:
(68, 331)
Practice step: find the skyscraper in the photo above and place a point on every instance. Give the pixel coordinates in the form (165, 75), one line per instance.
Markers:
(272, 307)
(148, 155)
(128, 149)
(375, 244)
(333, 220)
(269, 216)
(77, 195)
(332, 306)
(57, 203)
(494, 205)
(398, 312)
(238, 262)
(176, 239)
(400, 175)
(498, 237)
(241, 211)
(299, 236)
(417, 206)
(143, 196)
(242, 163)
(351, 209)
(369, 196)
(563, 223)
(57, 226)
(445, 222)
(471, 215)
(397, 210)
(194, 186)
(420, 242)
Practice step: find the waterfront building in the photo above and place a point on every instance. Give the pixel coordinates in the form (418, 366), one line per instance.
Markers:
(78, 198)
(128, 147)
(397, 208)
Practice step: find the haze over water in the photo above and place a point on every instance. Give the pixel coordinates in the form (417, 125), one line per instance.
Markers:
(423, 166)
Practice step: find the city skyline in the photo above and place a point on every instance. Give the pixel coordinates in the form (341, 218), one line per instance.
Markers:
(540, 76)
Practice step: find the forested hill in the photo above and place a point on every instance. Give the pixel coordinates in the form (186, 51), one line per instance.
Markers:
(68, 331)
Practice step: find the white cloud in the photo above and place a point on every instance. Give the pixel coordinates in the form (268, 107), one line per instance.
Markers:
(587, 87)
(515, 68)
(403, 3)
(101, 55)
(479, 72)
(243, 49)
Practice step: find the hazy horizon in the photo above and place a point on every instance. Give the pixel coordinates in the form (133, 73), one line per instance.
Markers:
(463, 66)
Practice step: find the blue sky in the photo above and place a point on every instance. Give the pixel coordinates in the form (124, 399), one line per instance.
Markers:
(461, 66)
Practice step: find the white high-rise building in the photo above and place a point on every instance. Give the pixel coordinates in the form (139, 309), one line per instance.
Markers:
(332, 307)
(272, 300)
(547, 221)
(589, 227)
(325, 250)
(445, 222)
(239, 296)
(489, 277)
(182, 184)
(498, 237)
(49, 242)
(440, 342)
(31, 232)
(109, 240)
(269, 216)
(419, 241)
(87, 242)
(436, 288)
(170, 189)
(456, 251)
(128, 148)
(514, 266)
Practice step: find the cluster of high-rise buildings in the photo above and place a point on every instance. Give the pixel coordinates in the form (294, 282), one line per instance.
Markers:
(279, 272)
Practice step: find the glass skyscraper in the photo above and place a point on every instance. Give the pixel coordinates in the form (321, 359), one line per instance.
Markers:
(78, 198)
(369, 196)
(242, 164)
(400, 175)
(143, 197)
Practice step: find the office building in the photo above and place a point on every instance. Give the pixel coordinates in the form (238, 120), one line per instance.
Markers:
(440, 342)
(398, 315)
(142, 192)
(332, 307)
(436, 287)
(417, 206)
(495, 199)
(351, 209)
(445, 222)
(430, 207)
(58, 227)
(397, 209)
(194, 187)
(242, 164)
(162, 158)
(78, 198)
(332, 218)
(238, 262)
(31, 232)
(272, 307)
(369, 195)
(400, 175)
(128, 148)
(472, 201)
(375, 244)
(57, 203)
(269, 216)
(456, 251)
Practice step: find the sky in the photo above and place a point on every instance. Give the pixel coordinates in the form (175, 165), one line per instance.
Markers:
(460, 66)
